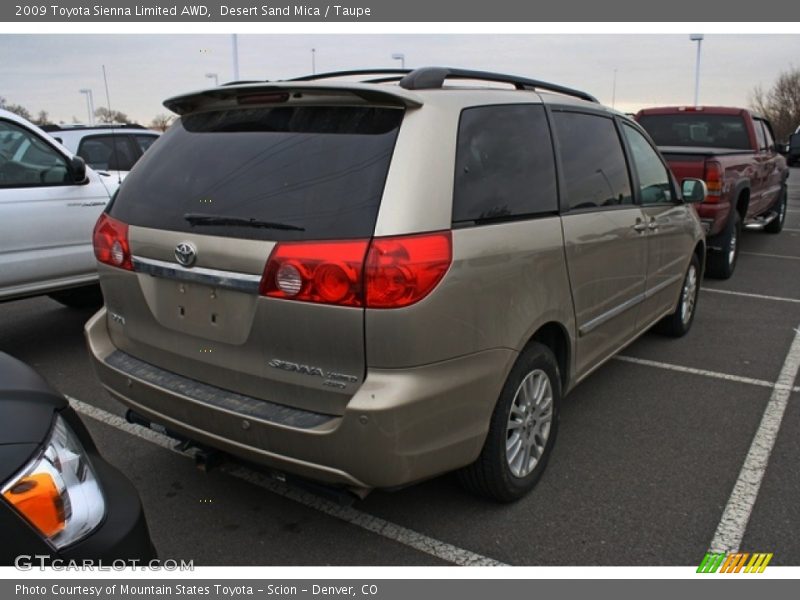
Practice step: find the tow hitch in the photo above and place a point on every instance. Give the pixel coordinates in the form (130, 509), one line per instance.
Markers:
(205, 458)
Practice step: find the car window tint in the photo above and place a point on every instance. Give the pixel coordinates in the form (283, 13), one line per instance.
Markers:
(697, 130)
(654, 183)
(595, 172)
(284, 173)
(760, 138)
(25, 160)
(107, 152)
(769, 141)
(504, 164)
(145, 141)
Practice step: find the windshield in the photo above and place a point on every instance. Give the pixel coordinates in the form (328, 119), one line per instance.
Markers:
(305, 172)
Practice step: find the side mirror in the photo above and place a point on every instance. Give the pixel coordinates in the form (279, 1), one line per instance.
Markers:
(694, 190)
(782, 149)
(77, 169)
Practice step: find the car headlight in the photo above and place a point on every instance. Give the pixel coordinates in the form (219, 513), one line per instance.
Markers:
(58, 492)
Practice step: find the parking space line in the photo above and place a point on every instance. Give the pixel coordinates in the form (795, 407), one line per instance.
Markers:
(786, 256)
(705, 373)
(381, 527)
(792, 230)
(732, 525)
(748, 295)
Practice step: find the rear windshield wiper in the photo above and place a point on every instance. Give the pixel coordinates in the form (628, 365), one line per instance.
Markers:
(201, 219)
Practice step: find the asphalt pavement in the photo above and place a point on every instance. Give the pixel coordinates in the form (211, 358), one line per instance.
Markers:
(650, 452)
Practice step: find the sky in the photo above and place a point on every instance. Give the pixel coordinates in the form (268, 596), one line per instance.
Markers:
(46, 71)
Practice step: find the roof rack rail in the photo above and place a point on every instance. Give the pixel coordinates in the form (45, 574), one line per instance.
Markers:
(427, 78)
(78, 126)
(243, 81)
(334, 74)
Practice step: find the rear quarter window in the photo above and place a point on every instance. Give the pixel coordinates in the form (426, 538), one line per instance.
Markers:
(504, 164)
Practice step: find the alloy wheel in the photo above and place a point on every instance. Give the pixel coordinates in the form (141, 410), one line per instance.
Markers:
(689, 295)
(529, 423)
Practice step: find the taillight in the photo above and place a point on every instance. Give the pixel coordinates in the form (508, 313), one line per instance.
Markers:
(325, 272)
(403, 270)
(110, 241)
(389, 272)
(713, 179)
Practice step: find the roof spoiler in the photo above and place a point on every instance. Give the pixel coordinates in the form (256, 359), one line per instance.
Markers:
(283, 90)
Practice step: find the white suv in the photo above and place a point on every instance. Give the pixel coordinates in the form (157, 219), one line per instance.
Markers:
(49, 203)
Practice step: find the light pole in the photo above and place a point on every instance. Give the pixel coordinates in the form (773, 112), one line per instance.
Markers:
(89, 104)
(235, 44)
(614, 90)
(401, 57)
(213, 76)
(313, 61)
(697, 37)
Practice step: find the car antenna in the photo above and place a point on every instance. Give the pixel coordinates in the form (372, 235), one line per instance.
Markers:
(115, 151)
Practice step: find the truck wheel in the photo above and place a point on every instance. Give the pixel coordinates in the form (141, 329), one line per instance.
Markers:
(679, 322)
(721, 263)
(82, 297)
(522, 429)
(776, 225)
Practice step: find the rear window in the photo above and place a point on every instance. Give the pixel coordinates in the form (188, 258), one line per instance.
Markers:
(278, 173)
(112, 152)
(697, 130)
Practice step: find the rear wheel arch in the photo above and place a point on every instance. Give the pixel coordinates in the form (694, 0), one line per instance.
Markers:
(554, 336)
(742, 200)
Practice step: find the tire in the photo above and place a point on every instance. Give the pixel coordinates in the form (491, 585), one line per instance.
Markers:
(83, 297)
(533, 391)
(721, 263)
(680, 321)
(776, 226)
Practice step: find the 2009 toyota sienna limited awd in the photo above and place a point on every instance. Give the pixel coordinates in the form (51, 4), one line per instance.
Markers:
(372, 283)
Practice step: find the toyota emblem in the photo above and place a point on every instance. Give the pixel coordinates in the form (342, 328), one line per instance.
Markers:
(186, 254)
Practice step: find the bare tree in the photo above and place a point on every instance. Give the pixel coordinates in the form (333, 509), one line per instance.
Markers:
(15, 108)
(161, 122)
(781, 103)
(105, 115)
(42, 119)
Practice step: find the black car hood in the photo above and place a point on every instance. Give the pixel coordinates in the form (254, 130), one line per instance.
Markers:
(27, 403)
(27, 406)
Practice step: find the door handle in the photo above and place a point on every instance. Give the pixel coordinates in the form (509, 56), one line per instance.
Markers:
(640, 226)
(652, 225)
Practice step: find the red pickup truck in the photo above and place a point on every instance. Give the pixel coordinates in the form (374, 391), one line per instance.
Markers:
(734, 152)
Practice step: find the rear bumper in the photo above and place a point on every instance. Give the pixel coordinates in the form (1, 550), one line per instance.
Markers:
(401, 426)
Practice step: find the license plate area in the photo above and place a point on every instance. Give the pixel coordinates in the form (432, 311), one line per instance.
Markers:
(200, 310)
(198, 305)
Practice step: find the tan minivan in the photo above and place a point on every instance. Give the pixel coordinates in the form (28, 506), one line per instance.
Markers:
(372, 283)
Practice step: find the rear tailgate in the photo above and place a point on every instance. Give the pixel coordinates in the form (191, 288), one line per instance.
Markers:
(685, 162)
(225, 186)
